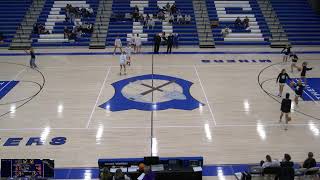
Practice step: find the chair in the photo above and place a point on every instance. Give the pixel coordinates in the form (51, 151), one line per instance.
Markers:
(312, 172)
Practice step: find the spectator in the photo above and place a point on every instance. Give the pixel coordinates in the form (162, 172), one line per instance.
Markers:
(1, 37)
(146, 20)
(119, 175)
(42, 29)
(286, 162)
(171, 18)
(187, 19)
(237, 22)
(105, 174)
(164, 38)
(225, 31)
(169, 43)
(179, 18)
(35, 28)
(89, 11)
(161, 16)
(310, 162)
(269, 162)
(176, 40)
(136, 9)
(151, 23)
(66, 32)
(246, 22)
(173, 9)
(157, 41)
(167, 7)
(149, 175)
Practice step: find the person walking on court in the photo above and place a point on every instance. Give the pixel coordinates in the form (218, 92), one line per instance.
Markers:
(138, 43)
(32, 58)
(128, 51)
(298, 89)
(157, 42)
(304, 72)
(285, 110)
(170, 43)
(123, 59)
(282, 78)
(117, 44)
(286, 51)
(294, 60)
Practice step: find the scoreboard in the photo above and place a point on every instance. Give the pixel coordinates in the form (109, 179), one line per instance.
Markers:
(27, 168)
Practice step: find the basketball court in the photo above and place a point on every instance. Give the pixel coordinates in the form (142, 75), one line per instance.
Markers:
(222, 106)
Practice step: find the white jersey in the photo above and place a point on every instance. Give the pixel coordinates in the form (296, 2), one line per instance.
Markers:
(128, 51)
(117, 42)
(138, 41)
(123, 59)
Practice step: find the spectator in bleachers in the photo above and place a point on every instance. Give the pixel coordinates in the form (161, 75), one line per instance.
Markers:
(136, 9)
(225, 31)
(176, 40)
(146, 20)
(151, 23)
(105, 174)
(161, 16)
(169, 43)
(286, 162)
(35, 28)
(310, 162)
(173, 9)
(180, 18)
(187, 19)
(171, 18)
(157, 42)
(167, 7)
(246, 22)
(237, 22)
(164, 38)
(117, 44)
(42, 29)
(269, 162)
(1, 37)
(66, 32)
(119, 175)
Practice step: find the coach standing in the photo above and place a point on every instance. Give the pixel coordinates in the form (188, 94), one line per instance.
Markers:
(170, 43)
(157, 41)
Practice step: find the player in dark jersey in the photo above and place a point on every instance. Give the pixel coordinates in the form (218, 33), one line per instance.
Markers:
(282, 78)
(304, 71)
(286, 109)
(286, 51)
(298, 89)
(294, 60)
(32, 58)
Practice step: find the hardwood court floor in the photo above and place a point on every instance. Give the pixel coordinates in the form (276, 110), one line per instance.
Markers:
(238, 122)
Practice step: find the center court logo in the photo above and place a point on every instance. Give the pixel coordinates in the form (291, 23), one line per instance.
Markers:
(150, 93)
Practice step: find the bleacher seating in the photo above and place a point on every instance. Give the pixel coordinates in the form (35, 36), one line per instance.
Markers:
(300, 22)
(12, 13)
(53, 17)
(226, 13)
(125, 28)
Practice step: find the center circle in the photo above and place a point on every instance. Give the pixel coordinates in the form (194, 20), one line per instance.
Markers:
(161, 91)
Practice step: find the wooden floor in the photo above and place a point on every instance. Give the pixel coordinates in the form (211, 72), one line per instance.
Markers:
(237, 124)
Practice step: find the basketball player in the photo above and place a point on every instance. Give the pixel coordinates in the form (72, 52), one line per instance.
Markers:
(123, 59)
(298, 89)
(32, 58)
(128, 51)
(282, 78)
(285, 110)
(117, 44)
(294, 60)
(304, 71)
(138, 43)
(286, 51)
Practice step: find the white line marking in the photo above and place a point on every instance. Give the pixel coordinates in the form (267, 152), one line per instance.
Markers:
(15, 78)
(205, 96)
(94, 107)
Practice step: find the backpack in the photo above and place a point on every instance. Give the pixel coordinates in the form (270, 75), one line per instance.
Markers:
(245, 176)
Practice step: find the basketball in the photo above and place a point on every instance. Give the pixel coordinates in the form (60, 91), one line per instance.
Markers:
(299, 68)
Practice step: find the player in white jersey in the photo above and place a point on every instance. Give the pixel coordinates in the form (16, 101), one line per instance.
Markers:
(117, 44)
(128, 51)
(123, 59)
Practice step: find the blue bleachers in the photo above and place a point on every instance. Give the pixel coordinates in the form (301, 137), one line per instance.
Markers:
(299, 21)
(187, 33)
(59, 26)
(255, 10)
(12, 13)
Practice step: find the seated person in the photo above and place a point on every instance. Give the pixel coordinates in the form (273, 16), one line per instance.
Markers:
(42, 29)
(174, 8)
(161, 16)
(269, 162)
(66, 32)
(187, 19)
(246, 22)
(1, 37)
(171, 18)
(136, 9)
(286, 162)
(180, 18)
(225, 31)
(237, 22)
(310, 162)
(119, 175)
(35, 28)
(149, 175)
(105, 174)
(167, 7)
